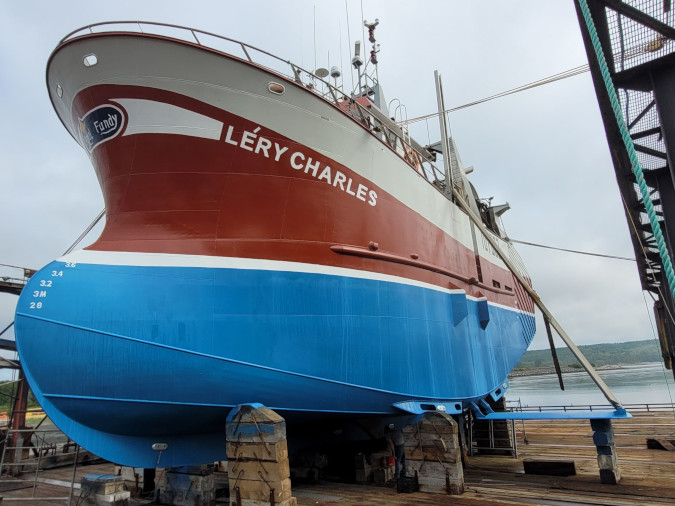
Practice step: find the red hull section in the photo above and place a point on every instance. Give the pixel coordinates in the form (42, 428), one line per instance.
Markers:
(257, 194)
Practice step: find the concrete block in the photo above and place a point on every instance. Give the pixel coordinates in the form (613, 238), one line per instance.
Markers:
(379, 459)
(549, 467)
(383, 475)
(116, 499)
(102, 484)
(603, 438)
(610, 476)
(607, 461)
(360, 461)
(606, 449)
(178, 487)
(364, 475)
(604, 424)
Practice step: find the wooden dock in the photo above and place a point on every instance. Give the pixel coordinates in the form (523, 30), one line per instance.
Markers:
(648, 476)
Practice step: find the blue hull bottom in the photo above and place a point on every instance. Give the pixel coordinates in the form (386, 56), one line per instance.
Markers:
(121, 357)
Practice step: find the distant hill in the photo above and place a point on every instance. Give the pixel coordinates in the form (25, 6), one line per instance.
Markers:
(632, 352)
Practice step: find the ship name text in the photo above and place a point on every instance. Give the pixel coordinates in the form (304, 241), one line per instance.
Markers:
(298, 160)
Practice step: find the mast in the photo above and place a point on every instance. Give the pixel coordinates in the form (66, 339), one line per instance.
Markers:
(445, 150)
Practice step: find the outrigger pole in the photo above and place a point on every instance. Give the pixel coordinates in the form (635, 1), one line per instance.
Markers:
(459, 199)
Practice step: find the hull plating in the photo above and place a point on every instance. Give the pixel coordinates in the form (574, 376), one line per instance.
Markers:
(257, 248)
(165, 352)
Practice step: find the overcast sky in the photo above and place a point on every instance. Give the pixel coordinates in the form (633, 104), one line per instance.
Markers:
(544, 151)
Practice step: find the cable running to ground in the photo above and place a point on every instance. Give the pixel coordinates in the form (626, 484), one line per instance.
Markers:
(573, 250)
(556, 77)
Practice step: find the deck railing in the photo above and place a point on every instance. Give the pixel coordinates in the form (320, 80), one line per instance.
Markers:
(387, 132)
(635, 408)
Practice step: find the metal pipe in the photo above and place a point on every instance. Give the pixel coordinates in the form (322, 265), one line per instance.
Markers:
(538, 302)
(72, 481)
(444, 133)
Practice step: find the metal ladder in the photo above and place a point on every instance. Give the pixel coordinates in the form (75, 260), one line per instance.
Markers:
(38, 441)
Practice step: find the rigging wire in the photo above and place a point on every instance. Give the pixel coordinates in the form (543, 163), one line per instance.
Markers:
(15, 267)
(349, 42)
(573, 250)
(643, 248)
(547, 80)
(77, 241)
(341, 57)
(6, 328)
(86, 231)
(656, 338)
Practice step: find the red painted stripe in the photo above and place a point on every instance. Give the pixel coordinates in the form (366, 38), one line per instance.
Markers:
(178, 194)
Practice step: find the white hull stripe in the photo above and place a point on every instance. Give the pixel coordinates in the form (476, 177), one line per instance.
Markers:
(134, 259)
(151, 117)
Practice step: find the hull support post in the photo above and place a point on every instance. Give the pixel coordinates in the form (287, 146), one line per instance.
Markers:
(257, 457)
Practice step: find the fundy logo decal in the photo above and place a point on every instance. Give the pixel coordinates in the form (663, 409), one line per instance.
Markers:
(99, 125)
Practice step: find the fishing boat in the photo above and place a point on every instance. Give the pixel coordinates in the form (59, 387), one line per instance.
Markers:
(269, 238)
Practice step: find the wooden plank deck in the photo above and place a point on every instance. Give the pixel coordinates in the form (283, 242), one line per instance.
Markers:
(648, 476)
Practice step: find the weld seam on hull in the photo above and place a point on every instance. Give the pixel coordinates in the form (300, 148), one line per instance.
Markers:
(390, 257)
(200, 404)
(225, 359)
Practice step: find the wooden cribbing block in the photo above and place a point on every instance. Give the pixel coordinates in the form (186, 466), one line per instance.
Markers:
(445, 441)
(432, 423)
(426, 468)
(610, 476)
(260, 490)
(447, 485)
(268, 452)
(256, 432)
(433, 452)
(660, 444)
(607, 461)
(256, 424)
(603, 437)
(257, 470)
(251, 502)
(257, 452)
(549, 467)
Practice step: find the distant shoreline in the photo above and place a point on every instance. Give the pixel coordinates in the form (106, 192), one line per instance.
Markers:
(542, 371)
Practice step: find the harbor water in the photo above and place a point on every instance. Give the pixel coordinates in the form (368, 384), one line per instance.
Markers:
(647, 383)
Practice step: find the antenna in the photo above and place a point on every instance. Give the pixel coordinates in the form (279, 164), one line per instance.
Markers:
(335, 73)
(357, 61)
(321, 72)
(371, 37)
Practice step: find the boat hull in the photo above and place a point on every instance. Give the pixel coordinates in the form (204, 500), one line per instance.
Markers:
(258, 248)
(162, 353)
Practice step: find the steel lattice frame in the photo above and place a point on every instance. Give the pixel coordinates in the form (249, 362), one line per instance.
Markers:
(638, 41)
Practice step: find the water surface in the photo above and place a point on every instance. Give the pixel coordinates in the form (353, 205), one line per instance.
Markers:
(636, 384)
